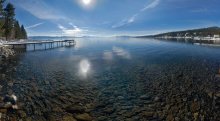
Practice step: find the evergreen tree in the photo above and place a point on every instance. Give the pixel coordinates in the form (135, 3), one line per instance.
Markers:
(9, 20)
(1, 8)
(17, 29)
(23, 32)
(1, 17)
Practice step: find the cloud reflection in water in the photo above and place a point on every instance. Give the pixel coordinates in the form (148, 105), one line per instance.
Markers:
(107, 55)
(116, 51)
(121, 52)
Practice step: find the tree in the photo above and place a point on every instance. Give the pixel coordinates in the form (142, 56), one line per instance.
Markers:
(17, 29)
(23, 33)
(2, 7)
(1, 17)
(9, 20)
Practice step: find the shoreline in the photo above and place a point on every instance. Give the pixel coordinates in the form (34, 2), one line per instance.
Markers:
(192, 38)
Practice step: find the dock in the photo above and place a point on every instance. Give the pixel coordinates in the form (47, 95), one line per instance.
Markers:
(48, 44)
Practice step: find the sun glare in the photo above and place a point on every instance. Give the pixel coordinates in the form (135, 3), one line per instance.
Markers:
(84, 67)
(86, 2)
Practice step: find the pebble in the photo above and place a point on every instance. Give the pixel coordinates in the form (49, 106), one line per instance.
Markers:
(156, 99)
(196, 115)
(10, 84)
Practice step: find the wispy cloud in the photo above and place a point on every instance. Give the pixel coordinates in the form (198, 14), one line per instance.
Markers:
(151, 5)
(35, 25)
(132, 19)
(125, 21)
(71, 31)
(201, 10)
(40, 9)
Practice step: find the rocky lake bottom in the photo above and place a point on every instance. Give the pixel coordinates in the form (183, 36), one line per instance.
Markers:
(136, 80)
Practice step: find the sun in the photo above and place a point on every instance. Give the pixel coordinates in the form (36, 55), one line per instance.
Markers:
(86, 2)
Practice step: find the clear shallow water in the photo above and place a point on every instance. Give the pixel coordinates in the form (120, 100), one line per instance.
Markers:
(117, 79)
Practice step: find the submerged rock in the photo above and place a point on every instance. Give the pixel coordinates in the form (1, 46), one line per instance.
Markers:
(22, 114)
(3, 76)
(10, 99)
(84, 117)
(10, 102)
(147, 114)
(75, 109)
(145, 97)
(68, 118)
(1, 87)
(195, 106)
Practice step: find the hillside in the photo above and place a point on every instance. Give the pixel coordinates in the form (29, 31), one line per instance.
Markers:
(203, 32)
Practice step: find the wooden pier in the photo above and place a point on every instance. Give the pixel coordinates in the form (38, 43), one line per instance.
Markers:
(49, 44)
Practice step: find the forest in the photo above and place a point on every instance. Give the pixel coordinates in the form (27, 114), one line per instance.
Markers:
(10, 28)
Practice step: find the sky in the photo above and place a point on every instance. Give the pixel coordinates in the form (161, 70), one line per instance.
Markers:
(114, 17)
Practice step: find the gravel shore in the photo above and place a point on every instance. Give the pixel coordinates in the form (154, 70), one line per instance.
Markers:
(6, 52)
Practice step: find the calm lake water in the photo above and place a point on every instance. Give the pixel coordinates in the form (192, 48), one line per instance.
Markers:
(117, 79)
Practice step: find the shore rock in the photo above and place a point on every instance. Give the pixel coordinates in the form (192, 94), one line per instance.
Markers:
(6, 52)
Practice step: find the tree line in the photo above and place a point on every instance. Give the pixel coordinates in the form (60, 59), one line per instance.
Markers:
(9, 26)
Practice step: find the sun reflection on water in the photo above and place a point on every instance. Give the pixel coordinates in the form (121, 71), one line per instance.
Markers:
(84, 67)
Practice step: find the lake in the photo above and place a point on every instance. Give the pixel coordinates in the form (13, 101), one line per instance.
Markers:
(115, 79)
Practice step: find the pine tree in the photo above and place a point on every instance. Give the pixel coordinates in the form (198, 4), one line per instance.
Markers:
(1, 17)
(17, 29)
(2, 7)
(23, 32)
(9, 20)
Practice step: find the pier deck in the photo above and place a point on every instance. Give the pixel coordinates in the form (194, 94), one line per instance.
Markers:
(51, 43)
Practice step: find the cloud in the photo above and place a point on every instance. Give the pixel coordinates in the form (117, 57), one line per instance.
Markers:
(132, 19)
(71, 31)
(35, 25)
(125, 21)
(151, 5)
(202, 10)
(40, 9)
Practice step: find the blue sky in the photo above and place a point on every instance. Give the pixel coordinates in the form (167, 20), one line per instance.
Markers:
(114, 17)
